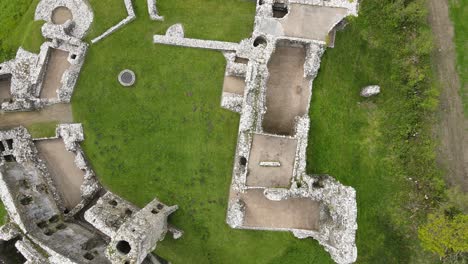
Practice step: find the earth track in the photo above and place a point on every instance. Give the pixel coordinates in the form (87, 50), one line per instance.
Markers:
(452, 127)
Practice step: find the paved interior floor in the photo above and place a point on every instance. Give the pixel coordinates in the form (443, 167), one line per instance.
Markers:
(311, 22)
(56, 66)
(271, 148)
(61, 14)
(60, 113)
(297, 213)
(234, 84)
(60, 162)
(288, 91)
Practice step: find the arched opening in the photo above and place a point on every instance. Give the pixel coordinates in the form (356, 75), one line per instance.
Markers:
(128, 212)
(113, 203)
(280, 10)
(243, 161)
(259, 41)
(123, 247)
(88, 256)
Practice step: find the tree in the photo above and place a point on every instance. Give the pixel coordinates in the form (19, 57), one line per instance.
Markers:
(445, 235)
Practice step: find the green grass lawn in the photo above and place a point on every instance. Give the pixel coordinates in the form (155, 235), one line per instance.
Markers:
(459, 14)
(3, 213)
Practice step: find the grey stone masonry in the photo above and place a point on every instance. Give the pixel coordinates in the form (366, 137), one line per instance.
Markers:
(81, 10)
(370, 90)
(109, 213)
(87, 234)
(153, 11)
(30, 253)
(175, 36)
(138, 237)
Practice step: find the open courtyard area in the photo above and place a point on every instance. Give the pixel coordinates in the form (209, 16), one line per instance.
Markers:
(230, 131)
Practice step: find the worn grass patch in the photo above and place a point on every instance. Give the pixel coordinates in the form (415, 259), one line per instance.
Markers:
(42, 130)
(459, 15)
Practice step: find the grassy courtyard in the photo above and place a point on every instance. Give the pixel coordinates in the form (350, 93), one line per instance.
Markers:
(167, 137)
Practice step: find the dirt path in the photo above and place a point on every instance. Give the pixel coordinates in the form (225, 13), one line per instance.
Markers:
(453, 126)
(60, 112)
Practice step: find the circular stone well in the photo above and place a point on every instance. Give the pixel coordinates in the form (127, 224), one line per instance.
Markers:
(61, 14)
(127, 77)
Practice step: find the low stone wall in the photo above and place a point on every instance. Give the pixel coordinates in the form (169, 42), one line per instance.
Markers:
(195, 43)
(153, 11)
(29, 251)
(131, 16)
(232, 102)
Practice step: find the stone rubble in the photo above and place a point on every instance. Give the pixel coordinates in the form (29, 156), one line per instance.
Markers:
(29, 252)
(232, 102)
(370, 91)
(81, 10)
(8, 232)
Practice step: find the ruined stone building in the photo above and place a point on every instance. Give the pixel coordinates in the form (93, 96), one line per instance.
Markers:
(268, 81)
(59, 212)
